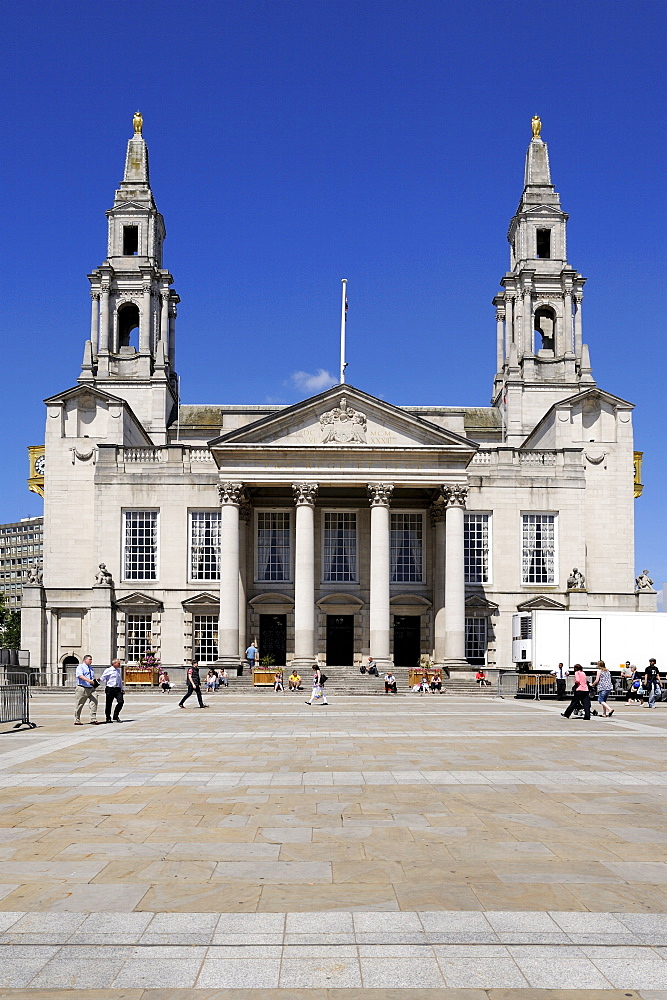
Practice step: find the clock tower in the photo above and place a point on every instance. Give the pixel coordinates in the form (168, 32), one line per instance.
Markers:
(131, 351)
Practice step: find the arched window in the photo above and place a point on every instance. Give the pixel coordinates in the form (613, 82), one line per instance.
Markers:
(545, 328)
(128, 323)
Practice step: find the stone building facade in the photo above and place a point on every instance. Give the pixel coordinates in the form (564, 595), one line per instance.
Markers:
(343, 526)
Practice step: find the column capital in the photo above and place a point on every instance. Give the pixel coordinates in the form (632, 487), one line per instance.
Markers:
(94, 294)
(456, 495)
(437, 512)
(305, 493)
(245, 511)
(379, 494)
(231, 494)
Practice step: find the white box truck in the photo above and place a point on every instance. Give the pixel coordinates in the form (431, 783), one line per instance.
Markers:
(543, 639)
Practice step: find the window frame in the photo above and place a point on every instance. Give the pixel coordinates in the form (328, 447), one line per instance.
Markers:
(135, 510)
(137, 614)
(407, 583)
(203, 510)
(215, 637)
(255, 545)
(556, 575)
(323, 548)
(473, 620)
(489, 562)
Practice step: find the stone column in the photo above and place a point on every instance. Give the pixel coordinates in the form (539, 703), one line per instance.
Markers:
(380, 498)
(305, 495)
(500, 339)
(172, 337)
(528, 331)
(95, 321)
(231, 495)
(455, 500)
(437, 512)
(145, 322)
(509, 322)
(104, 320)
(564, 342)
(578, 296)
(245, 517)
(164, 320)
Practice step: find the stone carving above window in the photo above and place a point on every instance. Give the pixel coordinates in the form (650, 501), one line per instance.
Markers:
(343, 425)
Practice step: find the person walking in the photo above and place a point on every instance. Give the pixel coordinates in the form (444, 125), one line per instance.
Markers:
(652, 682)
(319, 680)
(194, 685)
(112, 678)
(251, 655)
(581, 697)
(85, 690)
(561, 674)
(604, 686)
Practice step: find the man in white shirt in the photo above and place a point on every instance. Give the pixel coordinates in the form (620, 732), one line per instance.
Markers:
(85, 691)
(560, 673)
(113, 678)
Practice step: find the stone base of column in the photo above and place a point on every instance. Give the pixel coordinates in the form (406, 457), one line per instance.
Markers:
(383, 664)
(305, 663)
(457, 667)
(229, 662)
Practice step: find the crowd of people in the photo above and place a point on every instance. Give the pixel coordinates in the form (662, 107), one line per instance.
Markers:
(631, 682)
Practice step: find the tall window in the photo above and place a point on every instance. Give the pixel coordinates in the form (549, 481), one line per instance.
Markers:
(273, 546)
(205, 545)
(340, 547)
(205, 638)
(140, 545)
(476, 548)
(137, 636)
(538, 553)
(406, 548)
(476, 640)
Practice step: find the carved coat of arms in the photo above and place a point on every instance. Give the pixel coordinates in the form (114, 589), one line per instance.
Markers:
(343, 424)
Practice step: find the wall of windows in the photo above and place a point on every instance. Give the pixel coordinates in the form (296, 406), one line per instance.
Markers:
(205, 545)
(538, 548)
(477, 548)
(340, 547)
(273, 546)
(406, 548)
(140, 541)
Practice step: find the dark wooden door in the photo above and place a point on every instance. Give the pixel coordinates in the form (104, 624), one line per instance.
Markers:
(273, 638)
(407, 640)
(340, 640)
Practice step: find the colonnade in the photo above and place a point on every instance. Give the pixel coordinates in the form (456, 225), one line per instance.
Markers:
(447, 516)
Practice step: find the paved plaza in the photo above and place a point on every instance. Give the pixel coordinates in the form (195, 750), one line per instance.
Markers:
(384, 847)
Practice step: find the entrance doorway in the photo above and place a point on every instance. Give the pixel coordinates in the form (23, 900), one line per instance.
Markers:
(273, 638)
(340, 640)
(407, 640)
(69, 665)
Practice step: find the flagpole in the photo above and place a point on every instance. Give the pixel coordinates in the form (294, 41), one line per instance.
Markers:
(343, 307)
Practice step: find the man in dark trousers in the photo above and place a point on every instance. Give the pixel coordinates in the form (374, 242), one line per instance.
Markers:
(194, 685)
(560, 673)
(652, 682)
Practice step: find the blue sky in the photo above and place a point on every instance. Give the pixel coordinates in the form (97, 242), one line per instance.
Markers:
(295, 143)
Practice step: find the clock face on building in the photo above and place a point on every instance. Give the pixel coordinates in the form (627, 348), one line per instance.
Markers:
(39, 466)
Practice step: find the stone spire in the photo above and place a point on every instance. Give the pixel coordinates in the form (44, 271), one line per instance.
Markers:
(538, 313)
(132, 339)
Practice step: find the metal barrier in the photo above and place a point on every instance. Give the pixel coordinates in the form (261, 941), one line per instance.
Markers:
(529, 685)
(15, 702)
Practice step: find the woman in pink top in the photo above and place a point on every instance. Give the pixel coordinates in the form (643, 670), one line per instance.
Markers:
(581, 697)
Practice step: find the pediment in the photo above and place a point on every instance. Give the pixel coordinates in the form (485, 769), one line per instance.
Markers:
(343, 417)
(479, 605)
(544, 210)
(85, 392)
(272, 599)
(540, 603)
(410, 601)
(138, 601)
(201, 601)
(340, 601)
